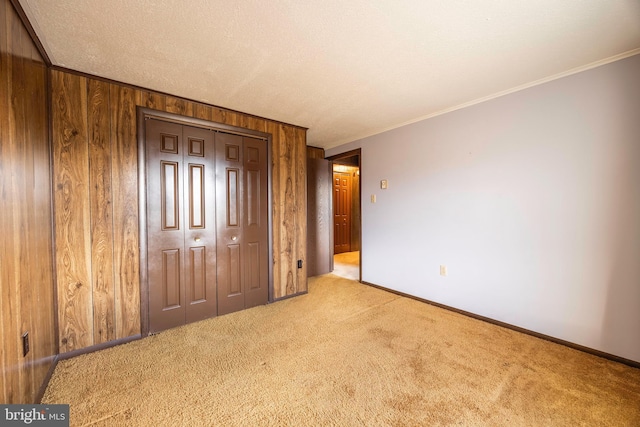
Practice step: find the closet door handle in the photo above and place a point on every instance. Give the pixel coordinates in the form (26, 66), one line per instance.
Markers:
(234, 238)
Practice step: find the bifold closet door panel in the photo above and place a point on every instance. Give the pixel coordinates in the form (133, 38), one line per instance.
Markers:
(200, 223)
(230, 207)
(243, 220)
(181, 227)
(165, 225)
(255, 222)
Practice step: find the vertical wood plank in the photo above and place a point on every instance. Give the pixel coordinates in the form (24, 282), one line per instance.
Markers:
(24, 74)
(204, 112)
(179, 106)
(220, 115)
(300, 141)
(43, 337)
(124, 174)
(26, 281)
(9, 167)
(276, 217)
(101, 213)
(314, 152)
(151, 100)
(72, 219)
(253, 123)
(20, 180)
(288, 274)
(231, 118)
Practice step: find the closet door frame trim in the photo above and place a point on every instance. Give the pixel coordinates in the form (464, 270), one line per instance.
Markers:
(144, 114)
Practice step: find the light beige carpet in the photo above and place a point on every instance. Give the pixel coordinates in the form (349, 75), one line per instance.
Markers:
(347, 265)
(345, 355)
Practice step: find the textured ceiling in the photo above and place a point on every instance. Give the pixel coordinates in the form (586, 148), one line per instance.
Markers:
(344, 69)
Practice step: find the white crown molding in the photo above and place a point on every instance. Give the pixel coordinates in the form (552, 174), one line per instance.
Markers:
(495, 95)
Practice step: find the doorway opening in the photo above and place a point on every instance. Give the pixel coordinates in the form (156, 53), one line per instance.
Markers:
(347, 220)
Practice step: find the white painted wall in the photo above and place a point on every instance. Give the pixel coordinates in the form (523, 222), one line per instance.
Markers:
(531, 200)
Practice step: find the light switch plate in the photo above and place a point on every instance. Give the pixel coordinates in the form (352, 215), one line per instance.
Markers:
(373, 198)
(384, 184)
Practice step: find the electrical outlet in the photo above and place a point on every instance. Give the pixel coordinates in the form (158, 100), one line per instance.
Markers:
(373, 198)
(443, 270)
(25, 344)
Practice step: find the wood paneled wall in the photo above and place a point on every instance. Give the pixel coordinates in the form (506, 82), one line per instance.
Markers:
(26, 267)
(315, 153)
(96, 203)
(319, 218)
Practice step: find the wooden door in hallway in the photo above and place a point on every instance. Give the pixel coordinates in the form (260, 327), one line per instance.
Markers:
(342, 211)
(181, 228)
(243, 236)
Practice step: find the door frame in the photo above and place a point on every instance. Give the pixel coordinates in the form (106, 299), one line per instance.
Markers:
(143, 114)
(335, 158)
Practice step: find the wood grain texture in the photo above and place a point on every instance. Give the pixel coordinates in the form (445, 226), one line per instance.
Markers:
(252, 122)
(26, 280)
(100, 201)
(300, 165)
(288, 273)
(315, 153)
(278, 290)
(9, 316)
(204, 112)
(124, 173)
(319, 221)
(26, 75)
(19, 134)
(232, 118)
(72, 219)
(152, 100)
(220, 115)
(179, 106)
(120, 128)
(43, 339)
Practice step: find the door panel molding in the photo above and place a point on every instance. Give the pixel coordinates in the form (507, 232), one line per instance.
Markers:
(170, 203)
(197, 185)
(342, 211)
(171, 298)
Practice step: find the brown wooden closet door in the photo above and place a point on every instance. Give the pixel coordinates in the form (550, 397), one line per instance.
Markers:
(180, 224)
(200, 224)
(256, 231)
(342, 211)
(241, 199)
